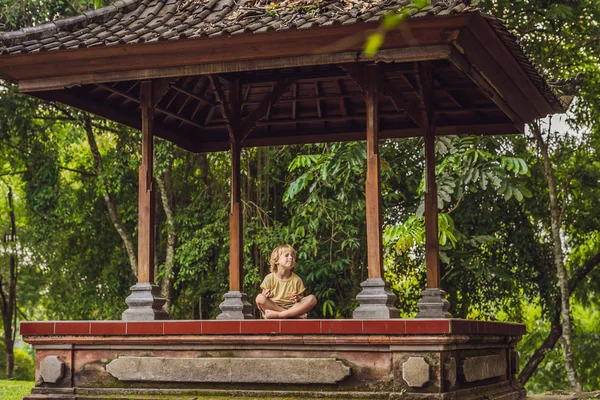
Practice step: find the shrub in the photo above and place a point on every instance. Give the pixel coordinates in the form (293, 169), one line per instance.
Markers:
(24, 365)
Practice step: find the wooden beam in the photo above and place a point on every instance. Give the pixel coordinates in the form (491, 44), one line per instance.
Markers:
(81, 103)
(267, 101)
(356, 72)
(490, 40)
(411, 109)
(342, 98)
(193, 96)
(146, 240)
(245, 47)
(294, 137)
(225, 106)
(463, 65)
(404, 54)
(157, 109)
(160, 87)
(432, 246)
(373, 186)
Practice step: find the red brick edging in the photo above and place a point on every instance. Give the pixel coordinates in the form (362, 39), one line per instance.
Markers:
(261, 327)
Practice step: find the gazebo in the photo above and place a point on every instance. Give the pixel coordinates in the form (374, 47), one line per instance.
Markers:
(217, 75)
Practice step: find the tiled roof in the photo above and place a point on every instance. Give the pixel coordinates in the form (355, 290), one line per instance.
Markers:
(143, 21)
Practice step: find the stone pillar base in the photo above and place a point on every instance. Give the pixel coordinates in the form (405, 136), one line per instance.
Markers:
(145, 304)
(433, 304)
(235, 306)
(376, 301)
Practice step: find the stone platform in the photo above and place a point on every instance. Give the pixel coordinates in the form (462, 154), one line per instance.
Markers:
(404, 359)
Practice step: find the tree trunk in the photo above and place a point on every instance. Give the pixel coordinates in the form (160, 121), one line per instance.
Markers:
(109, 200)
(538, 355)
(556, 328)
(166, 286)
(556, 220)
(8, 296)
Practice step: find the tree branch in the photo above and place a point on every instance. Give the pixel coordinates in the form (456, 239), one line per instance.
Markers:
(108, 199)
(79, 171)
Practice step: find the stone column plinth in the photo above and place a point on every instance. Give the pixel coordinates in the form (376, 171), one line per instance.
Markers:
(235, 306)
(145, 304)
(376, 301)
(433, 304)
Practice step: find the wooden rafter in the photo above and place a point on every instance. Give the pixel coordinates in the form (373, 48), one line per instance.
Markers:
(225, 106)
(357, 73)
(270, 98)
(463, 64)
(193, 96)
(158, 109)
(342, 98)
(179, 139)
(160, 87)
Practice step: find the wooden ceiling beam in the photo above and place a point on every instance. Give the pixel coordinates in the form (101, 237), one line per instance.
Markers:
(228, 113)
(356, 71)
(158, 109)
(193, 96)
(342, 98)
(293, 137)
(101, 110)
(481, 63)
(267, 101)
(160, 87)
(463, 64)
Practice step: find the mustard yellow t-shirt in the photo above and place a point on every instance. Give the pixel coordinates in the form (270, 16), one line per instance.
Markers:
(283, 289)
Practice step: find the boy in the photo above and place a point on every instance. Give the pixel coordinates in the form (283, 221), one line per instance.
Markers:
(282, 289)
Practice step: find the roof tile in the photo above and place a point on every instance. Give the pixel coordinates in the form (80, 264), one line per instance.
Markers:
(134, 21)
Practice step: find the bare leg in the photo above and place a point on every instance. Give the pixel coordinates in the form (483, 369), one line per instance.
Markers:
(302, 307)
(264, 303)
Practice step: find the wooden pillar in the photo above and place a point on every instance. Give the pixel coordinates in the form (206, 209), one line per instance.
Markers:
(375, 300)
(146, 240)
(145, 303)
(236, 244)
(235, 305)
(373, 185)
(432, 245)
(433, 303)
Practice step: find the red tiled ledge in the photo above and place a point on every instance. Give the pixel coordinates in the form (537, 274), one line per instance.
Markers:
(262, 327)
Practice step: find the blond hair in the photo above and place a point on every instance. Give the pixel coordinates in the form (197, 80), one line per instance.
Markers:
(277, 253)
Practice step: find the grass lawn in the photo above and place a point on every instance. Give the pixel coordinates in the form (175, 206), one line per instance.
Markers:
(15, 390)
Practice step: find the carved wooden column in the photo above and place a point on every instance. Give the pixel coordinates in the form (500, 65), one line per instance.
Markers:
(433, 303)
(376, 301)
(235, 304)
(145, 302)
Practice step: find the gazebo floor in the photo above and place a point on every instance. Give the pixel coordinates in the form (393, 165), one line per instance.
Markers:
(405, 359)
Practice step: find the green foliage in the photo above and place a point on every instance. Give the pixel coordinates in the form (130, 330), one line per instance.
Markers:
(551, 373)
(24, 365)
(15, 390)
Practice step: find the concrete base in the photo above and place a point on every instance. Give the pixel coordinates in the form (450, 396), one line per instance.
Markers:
(433, 304)
(392, 359)
(235, 306)
(376, 301)
(145, 304)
